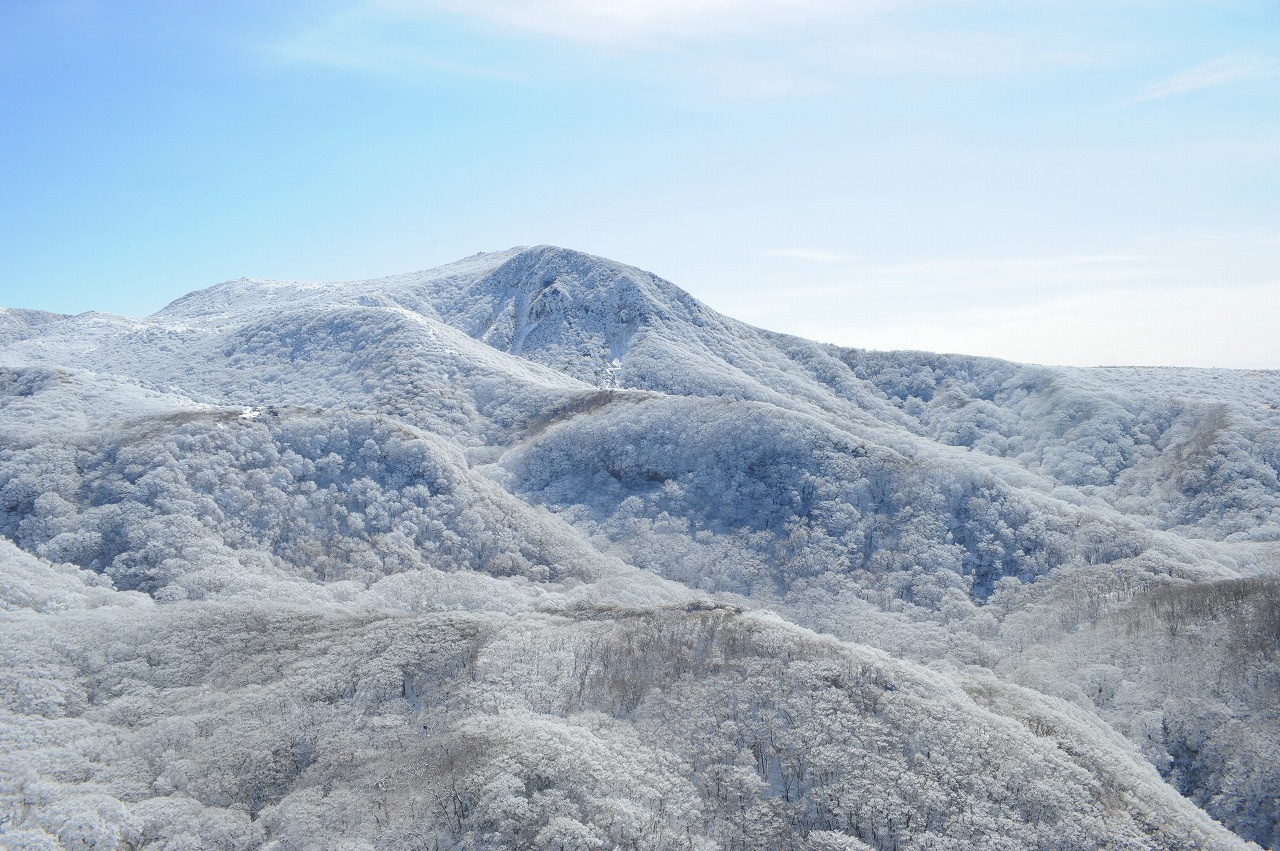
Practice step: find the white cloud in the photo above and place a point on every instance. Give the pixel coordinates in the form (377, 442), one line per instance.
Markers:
(1192, 326)
(1188, 299)
(1022, 273)
(1209, 75)
(358, 53)
(812, 255)
(798, 47)
(385, 35)
(631, 21)
(956, 54)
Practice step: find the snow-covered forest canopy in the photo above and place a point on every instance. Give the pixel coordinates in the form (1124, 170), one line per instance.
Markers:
(537, 551)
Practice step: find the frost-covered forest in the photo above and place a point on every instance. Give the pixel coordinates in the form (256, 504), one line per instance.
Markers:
(536, 551)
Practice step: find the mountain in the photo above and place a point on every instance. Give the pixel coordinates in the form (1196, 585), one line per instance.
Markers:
(536, 550)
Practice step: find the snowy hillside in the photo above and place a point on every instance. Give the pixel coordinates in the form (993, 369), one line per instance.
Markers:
(536, 550)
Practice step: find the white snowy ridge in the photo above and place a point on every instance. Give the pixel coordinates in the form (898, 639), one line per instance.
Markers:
(535, 550)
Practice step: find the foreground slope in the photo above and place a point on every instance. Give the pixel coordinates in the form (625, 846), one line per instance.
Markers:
(231, 725)
(524, 471)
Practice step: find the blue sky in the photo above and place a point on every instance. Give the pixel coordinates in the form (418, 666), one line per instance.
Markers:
(1055, 182)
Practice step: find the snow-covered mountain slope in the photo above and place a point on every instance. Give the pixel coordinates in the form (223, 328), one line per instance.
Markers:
(259, 725)
(1195, 450)
(572, 467)
(18, 324)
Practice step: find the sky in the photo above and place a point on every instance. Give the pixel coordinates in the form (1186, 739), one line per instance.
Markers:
(1053, 182)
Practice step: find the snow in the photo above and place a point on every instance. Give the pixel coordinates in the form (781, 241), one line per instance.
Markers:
(533, 504)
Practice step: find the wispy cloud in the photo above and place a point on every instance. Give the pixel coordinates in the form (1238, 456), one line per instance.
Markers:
(1192, 326)
(1191, 298)
(620, 22)
(834, 35)
(1025, 273)
(894, 50)
(1222, 71)
(366, 37)
(738, 48)
(812, 255)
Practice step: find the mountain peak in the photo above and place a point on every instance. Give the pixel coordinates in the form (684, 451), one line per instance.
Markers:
(578, 312)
